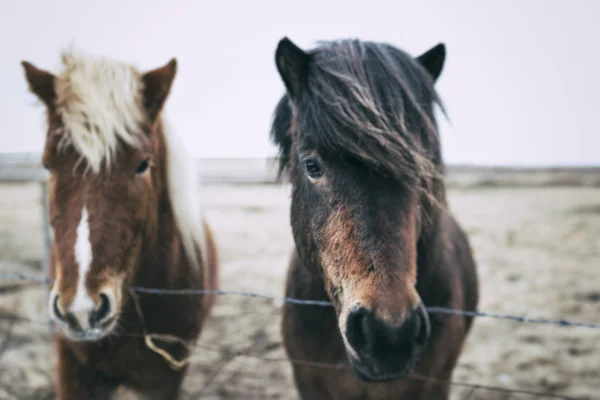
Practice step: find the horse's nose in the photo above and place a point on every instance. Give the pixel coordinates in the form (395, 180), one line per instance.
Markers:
(84, 315)
(369, 334)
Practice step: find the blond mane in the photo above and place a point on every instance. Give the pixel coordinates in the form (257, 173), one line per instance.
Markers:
(100, 103)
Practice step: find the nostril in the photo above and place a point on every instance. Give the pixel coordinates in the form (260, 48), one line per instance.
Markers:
(421, 326)
(102, 311)
(357, 330)
(56, 309)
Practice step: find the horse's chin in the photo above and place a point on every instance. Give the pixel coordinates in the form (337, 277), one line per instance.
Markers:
(95, 334)
(374, 373)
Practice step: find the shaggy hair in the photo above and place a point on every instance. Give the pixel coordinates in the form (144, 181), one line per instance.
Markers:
(369, 102)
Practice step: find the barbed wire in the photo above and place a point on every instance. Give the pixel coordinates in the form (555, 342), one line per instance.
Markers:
(232, 355)
(434, 310)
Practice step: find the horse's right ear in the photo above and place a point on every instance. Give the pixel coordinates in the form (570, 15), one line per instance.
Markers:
(157, 86)
(433, 60)
(292, 64)
(41, 83)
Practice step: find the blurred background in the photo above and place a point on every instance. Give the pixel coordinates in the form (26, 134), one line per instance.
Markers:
(520, 86)
(520, 81)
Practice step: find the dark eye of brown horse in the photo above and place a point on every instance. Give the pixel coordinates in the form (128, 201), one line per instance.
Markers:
(313, 169)
(143, 166)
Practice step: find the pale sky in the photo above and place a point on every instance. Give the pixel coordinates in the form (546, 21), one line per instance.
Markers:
(521, 80)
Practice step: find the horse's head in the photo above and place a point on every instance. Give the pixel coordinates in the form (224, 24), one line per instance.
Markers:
(358, 138)
(105, 183)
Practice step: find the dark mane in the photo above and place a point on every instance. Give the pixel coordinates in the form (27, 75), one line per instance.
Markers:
(280, 133)
(369, 102)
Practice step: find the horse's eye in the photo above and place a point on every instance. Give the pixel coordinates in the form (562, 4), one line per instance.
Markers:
(313, 169)
(143, 167)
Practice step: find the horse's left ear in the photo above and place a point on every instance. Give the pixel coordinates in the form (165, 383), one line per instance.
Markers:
(433, 60)
(292, 63)
(41, 83)
(157, 86)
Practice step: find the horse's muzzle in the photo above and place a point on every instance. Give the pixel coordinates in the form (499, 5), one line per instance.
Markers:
(89, 323)
(382, 351)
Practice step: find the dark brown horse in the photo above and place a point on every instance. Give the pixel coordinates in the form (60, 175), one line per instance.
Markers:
(358, 139)
(124, 211)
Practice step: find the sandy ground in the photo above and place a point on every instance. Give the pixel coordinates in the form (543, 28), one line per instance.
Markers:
(537, 251)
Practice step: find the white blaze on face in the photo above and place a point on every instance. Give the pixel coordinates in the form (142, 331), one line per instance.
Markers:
(82, 304)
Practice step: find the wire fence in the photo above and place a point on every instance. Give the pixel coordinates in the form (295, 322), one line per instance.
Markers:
(471, 388)
(231, 356)
(281, 299)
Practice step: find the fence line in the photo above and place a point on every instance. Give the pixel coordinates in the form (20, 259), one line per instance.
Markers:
(231, 356)
(433, 310)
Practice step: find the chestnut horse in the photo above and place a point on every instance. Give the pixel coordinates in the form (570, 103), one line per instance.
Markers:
(124, 212)
(358, 139)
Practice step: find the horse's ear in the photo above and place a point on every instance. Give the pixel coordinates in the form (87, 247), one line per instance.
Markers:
(41, 83)
(433, 60)
(292, 63)
(157, 86)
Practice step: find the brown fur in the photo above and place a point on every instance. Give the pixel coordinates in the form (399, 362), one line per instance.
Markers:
(312, 333)
(343, 261)
(135, 241)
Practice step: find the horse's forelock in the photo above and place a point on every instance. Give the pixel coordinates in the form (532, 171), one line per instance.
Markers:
(372, 102)
(99, 102)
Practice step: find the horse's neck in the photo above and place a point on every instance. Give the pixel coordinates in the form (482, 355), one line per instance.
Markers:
(161, 254)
